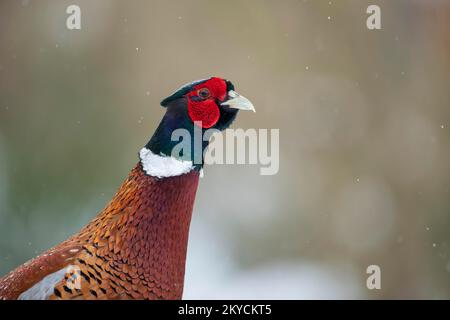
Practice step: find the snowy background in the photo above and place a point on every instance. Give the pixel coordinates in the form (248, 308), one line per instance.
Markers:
(364, 120)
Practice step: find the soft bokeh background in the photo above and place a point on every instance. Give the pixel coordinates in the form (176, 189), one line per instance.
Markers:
(364, 123)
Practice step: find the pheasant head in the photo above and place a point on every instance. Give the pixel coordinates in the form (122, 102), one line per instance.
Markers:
(202, 105)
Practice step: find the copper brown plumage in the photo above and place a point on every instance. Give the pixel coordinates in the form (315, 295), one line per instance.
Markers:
(134, 249)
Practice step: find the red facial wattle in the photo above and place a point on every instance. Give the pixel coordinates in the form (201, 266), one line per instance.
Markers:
(206, 110)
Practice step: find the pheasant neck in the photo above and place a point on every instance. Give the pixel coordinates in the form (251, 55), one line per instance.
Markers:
(143, 232)
(164, 142)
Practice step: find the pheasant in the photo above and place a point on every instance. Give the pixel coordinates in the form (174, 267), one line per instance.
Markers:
(135, 248)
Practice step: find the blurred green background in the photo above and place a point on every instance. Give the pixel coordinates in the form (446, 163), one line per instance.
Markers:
(364, 136)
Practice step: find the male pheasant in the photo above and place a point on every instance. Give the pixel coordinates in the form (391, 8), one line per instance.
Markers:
(136, 246)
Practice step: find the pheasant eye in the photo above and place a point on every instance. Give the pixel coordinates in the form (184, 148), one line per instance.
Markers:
(204, 93)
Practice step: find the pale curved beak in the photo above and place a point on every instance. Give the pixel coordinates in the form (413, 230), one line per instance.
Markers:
(236, 101)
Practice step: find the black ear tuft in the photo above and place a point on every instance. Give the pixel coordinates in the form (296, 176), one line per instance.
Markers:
(178, 94)
(230, 86)
(181, 92)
